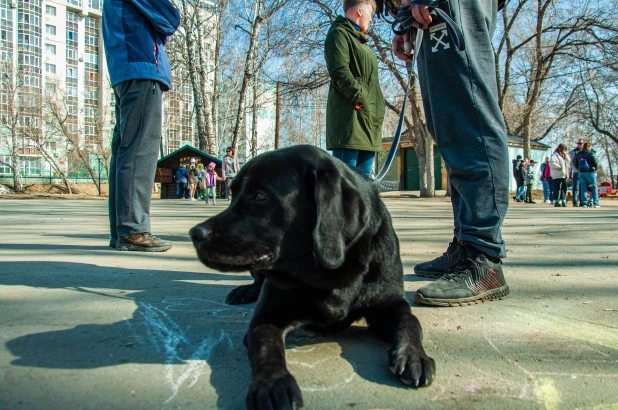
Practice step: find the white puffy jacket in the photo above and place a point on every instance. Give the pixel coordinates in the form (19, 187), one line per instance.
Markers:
(560, 167)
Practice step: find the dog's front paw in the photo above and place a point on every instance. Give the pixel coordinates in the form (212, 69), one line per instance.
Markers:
(243, 295)
(411, 365)
(275, 390)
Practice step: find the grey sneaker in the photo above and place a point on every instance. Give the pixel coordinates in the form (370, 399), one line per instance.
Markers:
(439, 266)
(471, 281)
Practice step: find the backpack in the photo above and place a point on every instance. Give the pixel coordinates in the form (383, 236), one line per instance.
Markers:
(582, 162)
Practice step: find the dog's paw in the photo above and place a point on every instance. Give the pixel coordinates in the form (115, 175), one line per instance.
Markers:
(243, 295)
(276, 391)
(411, 365)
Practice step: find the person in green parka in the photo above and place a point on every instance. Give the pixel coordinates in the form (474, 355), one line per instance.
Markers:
(355, 108)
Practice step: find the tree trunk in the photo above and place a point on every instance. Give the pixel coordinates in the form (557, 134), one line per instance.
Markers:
(254, 119)
(197, 95)
(253, 43)
(211, 144)
(18, 182)
(430, 187)
(423, 144)
(85, 162)
(609, 162)
(56, 168)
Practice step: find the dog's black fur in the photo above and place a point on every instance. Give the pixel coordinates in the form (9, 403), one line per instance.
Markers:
(321, 246)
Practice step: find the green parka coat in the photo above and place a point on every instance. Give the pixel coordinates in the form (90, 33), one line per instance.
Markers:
(353, 69)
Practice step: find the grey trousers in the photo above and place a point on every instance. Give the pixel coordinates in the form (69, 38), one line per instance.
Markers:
(135, 149)
(460, 99)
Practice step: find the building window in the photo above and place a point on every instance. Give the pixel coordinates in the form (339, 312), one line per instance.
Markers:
(51, 10)
(50, 68)
(95, 4)
(5, 169)
(71, 35)
(49, 29)
(51, 87)
(30, 166)
(50, 49)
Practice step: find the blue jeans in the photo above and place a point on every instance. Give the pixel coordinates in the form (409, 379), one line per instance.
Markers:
(355, 158)
(521, 193)
(460, 98)
(585, 179)
(228, 185)
(547, 186)
(181, 187)
(210, 190)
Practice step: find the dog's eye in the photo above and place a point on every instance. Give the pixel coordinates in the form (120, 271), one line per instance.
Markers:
(260, 196)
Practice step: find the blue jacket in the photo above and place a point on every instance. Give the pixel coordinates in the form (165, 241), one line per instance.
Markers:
(181, 174)
(134, 33)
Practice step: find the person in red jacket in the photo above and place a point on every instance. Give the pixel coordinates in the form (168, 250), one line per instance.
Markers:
(547, 181)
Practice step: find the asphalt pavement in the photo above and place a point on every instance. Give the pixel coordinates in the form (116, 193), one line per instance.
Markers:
(83, 326)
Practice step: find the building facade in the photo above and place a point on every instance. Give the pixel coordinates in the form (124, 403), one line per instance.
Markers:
(52, 50)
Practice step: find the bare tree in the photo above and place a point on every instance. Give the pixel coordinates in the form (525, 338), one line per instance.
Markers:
(190, 52)
(41, 140)
(14, 109)
(539, 44)
(62, 120)
(598, 108)
(262, 11)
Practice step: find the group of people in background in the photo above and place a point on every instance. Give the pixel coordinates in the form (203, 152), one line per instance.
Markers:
(523, 171)
(197, 183)
(578, 165)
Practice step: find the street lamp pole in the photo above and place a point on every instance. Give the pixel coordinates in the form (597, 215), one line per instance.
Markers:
(99, 159)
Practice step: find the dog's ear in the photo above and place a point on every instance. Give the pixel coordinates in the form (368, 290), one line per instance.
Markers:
(341, 216)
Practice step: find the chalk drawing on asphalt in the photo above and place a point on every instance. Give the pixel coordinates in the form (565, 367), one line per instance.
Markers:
(167, 337)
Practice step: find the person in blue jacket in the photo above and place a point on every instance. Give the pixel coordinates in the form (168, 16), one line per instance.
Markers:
(134, 35)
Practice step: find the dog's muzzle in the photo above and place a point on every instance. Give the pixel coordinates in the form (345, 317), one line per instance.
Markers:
(200, 233)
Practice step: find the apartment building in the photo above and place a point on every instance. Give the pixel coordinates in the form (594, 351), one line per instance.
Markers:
(55, 48)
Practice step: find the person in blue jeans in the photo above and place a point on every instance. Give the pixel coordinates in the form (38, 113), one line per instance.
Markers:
(587, 169)
(576, 190)
(182, 177)
(520, 179)
(547, 181)
(134, 36)
(355, 107)
(460, 98)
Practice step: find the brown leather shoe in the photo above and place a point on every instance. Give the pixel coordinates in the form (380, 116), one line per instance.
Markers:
(142, 242)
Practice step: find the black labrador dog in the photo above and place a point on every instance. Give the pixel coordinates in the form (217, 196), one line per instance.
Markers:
(320, 244)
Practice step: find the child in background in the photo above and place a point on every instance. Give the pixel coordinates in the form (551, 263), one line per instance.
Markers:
(211, 183)
(201, 185)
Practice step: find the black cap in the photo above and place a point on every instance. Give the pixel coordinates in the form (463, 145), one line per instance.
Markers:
(519, 157)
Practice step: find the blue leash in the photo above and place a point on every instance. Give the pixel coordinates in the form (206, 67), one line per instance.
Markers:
(402, 25)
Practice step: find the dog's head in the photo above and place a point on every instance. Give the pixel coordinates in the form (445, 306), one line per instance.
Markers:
(288, 205)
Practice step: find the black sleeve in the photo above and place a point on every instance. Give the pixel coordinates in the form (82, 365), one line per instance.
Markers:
(593, 162)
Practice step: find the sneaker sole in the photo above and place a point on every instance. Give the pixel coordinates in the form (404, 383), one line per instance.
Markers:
(429, 274)
(499, 293)
(137, 248)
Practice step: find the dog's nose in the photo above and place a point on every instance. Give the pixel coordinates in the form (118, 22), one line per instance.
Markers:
(199, 233)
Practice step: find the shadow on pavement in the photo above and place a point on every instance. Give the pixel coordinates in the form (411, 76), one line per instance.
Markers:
(178, 323)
